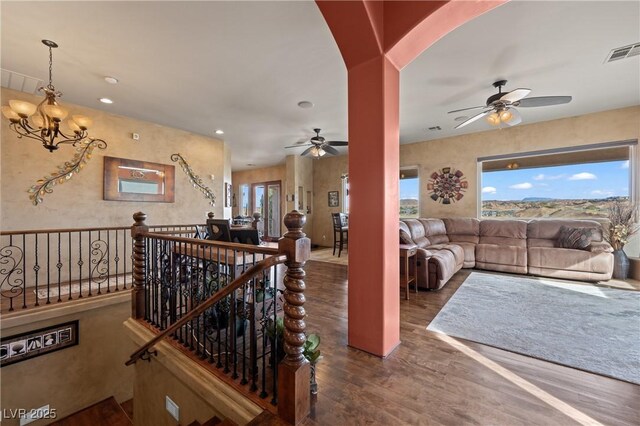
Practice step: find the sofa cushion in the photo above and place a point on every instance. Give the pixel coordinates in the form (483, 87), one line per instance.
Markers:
(435, 230)
(469, 254)
(503, 233)
(498, 254)
(575, 238)
(456, 250)
(572, 260)
(405, 234)
(442, 266)
(416, 230)
(463, 229)
(540, 232)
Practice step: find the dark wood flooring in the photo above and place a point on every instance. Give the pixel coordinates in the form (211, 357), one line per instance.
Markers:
(436, 380)
(104, 413)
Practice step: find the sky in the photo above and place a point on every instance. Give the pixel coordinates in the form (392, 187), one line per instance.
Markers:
(591, 180)
(579, 181)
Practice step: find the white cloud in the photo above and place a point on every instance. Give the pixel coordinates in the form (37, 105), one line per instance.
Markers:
(625, 165)
(542, 176)
(489, 190)
(524, 185)
(603, 193)
(539, 177)
(583, 176)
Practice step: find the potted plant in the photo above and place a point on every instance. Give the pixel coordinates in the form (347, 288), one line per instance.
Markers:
(623, 218)
(311, 351)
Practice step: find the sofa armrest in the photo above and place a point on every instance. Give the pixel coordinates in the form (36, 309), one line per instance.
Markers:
(407, 246)
(602, 247)
(424, 253)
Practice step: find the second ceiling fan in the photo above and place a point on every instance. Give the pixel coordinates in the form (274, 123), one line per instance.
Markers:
(499, 108)
(318, 146)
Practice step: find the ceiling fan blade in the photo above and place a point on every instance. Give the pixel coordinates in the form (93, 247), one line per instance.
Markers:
(331, 150)
(466, 109)
(308, 150)
(337, 143)
(544, 101)
(516, 118)
(474, 118)
(297, 146)
(515, 95)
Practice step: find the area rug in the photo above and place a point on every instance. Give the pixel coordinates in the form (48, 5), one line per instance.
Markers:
(582, 326)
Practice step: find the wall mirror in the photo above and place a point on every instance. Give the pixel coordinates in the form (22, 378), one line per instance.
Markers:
(132, 180)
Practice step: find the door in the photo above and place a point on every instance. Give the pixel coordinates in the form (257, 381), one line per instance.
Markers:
(266, 200)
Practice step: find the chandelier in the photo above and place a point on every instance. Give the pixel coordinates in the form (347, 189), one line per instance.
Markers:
(44, 121)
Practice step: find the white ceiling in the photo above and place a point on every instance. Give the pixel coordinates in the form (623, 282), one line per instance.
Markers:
(244, 66)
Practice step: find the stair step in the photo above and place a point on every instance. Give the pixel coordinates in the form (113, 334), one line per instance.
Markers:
(104, 413)
(127, 407)
(211, 422)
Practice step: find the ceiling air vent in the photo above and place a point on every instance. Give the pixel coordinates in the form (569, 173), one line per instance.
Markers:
(623, 52)
(435, 128)
(23, 83)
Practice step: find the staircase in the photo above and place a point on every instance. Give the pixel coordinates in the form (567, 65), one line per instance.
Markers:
(110, 413)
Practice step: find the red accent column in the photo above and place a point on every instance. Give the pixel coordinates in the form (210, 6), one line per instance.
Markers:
(374, 292)
(376, 39)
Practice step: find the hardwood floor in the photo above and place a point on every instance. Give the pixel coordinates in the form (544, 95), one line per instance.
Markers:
(433, 379)
(323, 254)
(104, 413)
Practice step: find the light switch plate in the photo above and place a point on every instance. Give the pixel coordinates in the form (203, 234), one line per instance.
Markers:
(173, 408)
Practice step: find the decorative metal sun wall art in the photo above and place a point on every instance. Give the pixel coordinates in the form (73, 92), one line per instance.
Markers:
(65, 171)
(195, 180)
(447, 185)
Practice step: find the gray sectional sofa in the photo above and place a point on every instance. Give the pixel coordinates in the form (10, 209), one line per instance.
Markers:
(444, 246)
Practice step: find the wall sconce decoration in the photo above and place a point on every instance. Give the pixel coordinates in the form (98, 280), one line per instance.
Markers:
(195, 180)
(65, 171)
(513, 166)
(447, 185)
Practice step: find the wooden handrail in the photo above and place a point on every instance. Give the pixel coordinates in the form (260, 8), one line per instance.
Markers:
(97, 228)
(213, 243)
(251, 273)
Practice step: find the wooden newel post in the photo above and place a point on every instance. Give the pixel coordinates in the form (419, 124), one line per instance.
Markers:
(139, 261)
(294, 371)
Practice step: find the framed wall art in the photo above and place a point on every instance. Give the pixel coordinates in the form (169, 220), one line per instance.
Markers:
(132, 180)
(34, 343)
(334, 198)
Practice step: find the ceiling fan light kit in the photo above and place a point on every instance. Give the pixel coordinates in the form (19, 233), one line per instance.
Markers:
(43, 122)
(319, 147)
(500, 108)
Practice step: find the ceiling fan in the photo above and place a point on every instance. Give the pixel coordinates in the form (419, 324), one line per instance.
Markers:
(318, 146)
(500, 107)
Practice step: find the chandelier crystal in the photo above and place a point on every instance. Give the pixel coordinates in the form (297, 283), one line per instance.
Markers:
(45, 121)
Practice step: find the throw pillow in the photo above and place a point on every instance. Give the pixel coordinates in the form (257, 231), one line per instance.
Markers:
(405, 238)
(575, 238)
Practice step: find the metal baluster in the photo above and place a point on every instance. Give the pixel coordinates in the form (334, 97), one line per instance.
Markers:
(116, 259)
(90, 269)
(273, 356)
(124, 239)
(24, 272)
(274, 303)
(217, 311)
(48, 269)
(59, 266)
(36, 269)
(80, 263)
(109, 262)
(69, 277)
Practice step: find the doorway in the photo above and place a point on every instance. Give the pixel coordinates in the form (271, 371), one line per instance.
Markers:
(265, 199)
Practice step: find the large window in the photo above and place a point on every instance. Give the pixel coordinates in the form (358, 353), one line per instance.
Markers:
(573, 184)
(409, 190)
(244, 200)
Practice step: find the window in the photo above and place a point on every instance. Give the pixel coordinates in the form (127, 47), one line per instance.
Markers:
(345, 193)
(571, 184)
(409, 190)
(244, 200)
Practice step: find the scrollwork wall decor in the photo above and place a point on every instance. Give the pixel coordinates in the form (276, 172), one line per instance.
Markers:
(65, 171)
(196, 180)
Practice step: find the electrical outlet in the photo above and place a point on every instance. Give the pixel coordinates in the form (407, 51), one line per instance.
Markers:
(173, 408)
(36, 414)
(135, 136)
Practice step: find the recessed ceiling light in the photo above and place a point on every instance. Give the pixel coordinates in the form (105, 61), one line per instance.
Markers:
(105, 100)
(111, 80)
(219, 132)
(250, 164)
(305, 104)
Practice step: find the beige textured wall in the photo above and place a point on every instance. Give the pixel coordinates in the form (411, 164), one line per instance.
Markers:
(300, 175)
(326, 177)
(76, 377)
(153, 382)
(265, 174)
(79, 203)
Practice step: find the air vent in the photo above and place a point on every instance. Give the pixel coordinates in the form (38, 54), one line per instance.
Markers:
(435, 128)
(623, 52)
(23, 83)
